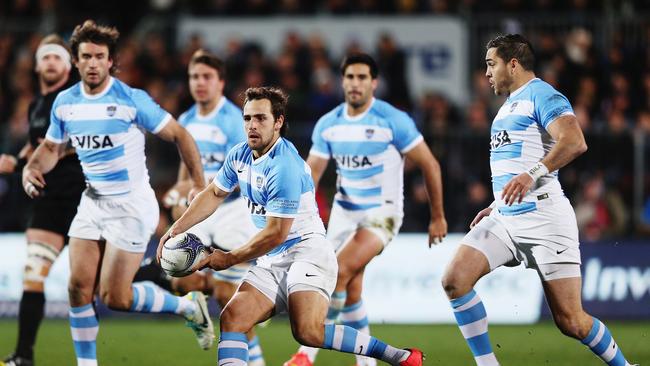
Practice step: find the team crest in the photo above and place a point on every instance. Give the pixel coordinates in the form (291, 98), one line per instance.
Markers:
(369, 133)
(513, 106)
(110, 110)
(259, 181)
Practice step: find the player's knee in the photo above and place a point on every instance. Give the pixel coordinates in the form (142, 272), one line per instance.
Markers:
(572, 325)
(115, 300)
(452, 283)
(37, 266)
(308, 334)
(79, 291)
(231, 320)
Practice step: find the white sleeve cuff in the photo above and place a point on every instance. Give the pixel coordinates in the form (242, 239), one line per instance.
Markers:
(410, 146)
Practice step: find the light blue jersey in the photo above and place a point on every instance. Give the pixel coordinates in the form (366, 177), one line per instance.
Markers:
(214, 133)
(520, 140)
(276, 184)
(107, 130)
(368, 150)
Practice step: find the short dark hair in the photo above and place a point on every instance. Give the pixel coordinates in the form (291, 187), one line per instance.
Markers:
(202, 56)
(92, 32)
(511, 46)
(360, 58)
(278, 99)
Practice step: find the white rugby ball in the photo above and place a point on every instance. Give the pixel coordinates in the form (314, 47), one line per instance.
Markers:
(181, 253)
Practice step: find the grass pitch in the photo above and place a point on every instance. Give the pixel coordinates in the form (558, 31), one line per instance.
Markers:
(141, 340)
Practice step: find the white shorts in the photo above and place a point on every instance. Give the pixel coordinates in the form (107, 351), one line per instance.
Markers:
(125, 221)
(228, 228)
(310, 265)
(384, 221)
(545, 240)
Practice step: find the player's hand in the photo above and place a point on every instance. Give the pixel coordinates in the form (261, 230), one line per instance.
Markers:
(217, 260)
(171, 198)
(437, 231)
(480, 215)
(193, 193)
(172, 232)
(516, 189)
(7, 163)
(33, 182)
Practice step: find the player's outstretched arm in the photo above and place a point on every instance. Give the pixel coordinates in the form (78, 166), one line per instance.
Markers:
(174, 132)
(317, 166)
(41, 162)
(274, 233)
(205, 203)
(424, 159)
(570, 143)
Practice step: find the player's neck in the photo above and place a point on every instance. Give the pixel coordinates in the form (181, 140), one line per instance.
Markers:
(355, 111)
(99, 88)
(520, 80)
(206, 108)
(47, 89)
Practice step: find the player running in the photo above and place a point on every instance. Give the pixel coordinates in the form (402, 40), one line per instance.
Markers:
(216, 125)
(296, 266)
(46, 233)
(105, 119)
(368, 138)
(534, 134)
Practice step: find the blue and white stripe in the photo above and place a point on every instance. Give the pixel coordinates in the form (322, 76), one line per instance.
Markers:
(346, 339)
(215, 133)
(233, 349)
(355, 316)
(520, 140)
(107, 131)
(84, 327)
(149, 298)
(337, 303)
(368, 150)
(601, 342)
(254, 350)
(472, 320)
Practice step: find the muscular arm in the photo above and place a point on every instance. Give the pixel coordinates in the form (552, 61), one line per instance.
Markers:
(318, 166)
(174, 132)
(274, 233)
(570, 142)
(428, 164)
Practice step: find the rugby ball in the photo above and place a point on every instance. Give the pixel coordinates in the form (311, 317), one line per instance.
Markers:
(181, 253)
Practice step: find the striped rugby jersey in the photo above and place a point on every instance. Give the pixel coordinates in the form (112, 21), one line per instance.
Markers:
(107, 130)
(368, 150)
(277, 184)
(215, 133)
(519, 139)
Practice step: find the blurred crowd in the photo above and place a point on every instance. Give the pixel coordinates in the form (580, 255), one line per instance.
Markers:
(609, 88)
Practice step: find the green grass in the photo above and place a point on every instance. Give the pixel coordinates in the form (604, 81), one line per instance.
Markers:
(134, 341)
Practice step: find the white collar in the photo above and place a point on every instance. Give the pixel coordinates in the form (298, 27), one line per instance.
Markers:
(100, 94)
(357, 117)
(213, 112)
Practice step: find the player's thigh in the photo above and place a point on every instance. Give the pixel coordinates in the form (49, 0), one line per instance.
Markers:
(358, 252)
(564, 299)
(118, 270)
(307, 310)
(247, 307)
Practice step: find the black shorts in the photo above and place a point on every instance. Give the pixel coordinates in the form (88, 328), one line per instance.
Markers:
(58, 206)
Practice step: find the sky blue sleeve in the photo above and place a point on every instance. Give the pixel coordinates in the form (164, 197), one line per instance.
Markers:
(284, 186)
(226, 178)
(549, 105)
(56, 130)
(150, 115)
(319, 146)
(405, 133)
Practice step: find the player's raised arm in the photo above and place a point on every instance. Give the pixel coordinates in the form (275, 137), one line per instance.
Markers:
(42, 161)
(424, 159)
(174, 132)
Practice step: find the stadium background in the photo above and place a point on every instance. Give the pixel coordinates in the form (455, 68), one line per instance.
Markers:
(431, 59)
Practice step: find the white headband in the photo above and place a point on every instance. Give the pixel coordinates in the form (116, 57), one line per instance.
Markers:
(52, 48)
